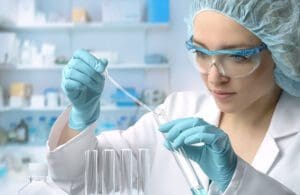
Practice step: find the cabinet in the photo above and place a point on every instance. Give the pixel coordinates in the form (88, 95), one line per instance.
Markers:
(129, 40)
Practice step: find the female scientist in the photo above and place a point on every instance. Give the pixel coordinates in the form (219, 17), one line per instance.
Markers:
(248, 54)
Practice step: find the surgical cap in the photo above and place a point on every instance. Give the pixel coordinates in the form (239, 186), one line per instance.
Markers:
(275, 22)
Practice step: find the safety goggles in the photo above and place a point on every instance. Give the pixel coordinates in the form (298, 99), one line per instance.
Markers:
(234, 63)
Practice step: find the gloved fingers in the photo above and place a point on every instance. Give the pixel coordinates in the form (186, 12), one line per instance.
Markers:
(206, 138)
(194, 121)
(221, 143)
(84, 68)
(180, 139)
(98, 65)
(165, 128)
(180, 127)
(168, 145)
(82, 78)
(193, 152)
(183, 125)
(72, 88)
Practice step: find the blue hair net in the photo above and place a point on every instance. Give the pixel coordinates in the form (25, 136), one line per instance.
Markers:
(275, 22)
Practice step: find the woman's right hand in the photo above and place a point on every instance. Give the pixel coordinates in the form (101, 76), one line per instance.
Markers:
(82, 83)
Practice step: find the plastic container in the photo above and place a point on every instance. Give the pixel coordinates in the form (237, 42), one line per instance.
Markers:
(158, 11)
(52, 97)
(38, 184)
(122, 11)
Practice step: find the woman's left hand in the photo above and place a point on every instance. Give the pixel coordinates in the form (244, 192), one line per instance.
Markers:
(216, 157)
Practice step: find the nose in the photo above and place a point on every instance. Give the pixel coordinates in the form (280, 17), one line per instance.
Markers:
(215, 75)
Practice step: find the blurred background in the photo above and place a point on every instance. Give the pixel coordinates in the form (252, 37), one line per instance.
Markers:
(142, 39)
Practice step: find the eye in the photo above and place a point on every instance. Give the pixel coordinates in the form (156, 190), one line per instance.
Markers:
(240, 58)
(200, 54)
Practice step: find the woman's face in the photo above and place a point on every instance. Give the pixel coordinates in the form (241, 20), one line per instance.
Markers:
(216, 31)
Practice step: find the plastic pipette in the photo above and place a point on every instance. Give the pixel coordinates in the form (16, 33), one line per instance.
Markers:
(179, 155)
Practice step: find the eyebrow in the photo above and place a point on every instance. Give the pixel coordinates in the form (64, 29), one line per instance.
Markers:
(234, 46)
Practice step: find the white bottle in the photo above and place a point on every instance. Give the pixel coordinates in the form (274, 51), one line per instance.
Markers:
(26, 53)
(38, 184)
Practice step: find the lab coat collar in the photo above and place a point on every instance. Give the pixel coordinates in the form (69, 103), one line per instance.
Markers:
(285, 120)
(266, 154)
(284, 124)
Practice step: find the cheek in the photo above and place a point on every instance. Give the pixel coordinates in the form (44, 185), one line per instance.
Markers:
(261, 82)
(204, 79)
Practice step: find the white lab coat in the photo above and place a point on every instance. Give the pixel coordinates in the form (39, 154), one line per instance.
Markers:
(274, 171)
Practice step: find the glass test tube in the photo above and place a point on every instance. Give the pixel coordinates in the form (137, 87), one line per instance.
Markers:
(91, 172)
(182, 160)
(126, 172)
(143, 170)
(108, 171)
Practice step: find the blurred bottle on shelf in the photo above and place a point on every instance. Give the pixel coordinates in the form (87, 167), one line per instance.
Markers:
(19, 94)
(42, 131)
(25, 58)
(1, 97)
(31, 130)
(21, 132)
(153, 97)
(158, 11)
(26, 12)
(79, 15)
(11, 132)
(122, 11)
(3, 169)
(3, 136)
(51, 97)
(122, 122)
(48, 54)
(37, 101)
(51, 123)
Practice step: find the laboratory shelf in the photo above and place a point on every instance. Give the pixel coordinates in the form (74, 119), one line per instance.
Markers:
(84, 26)
(105, 108)
(123, 66)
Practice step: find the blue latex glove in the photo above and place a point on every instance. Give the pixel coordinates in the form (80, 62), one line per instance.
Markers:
(216, 157)
(82, 83)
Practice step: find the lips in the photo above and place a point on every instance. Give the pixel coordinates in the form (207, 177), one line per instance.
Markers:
(222, 94)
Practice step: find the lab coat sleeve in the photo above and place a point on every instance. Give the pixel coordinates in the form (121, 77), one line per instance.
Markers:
(248, 181)
(66, 162)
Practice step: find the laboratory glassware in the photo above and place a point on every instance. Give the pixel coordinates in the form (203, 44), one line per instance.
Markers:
(91, 172)
(126, 172)
(109, 172)
(38, 181)
(182, 160)
(143, 171)
(179, 155)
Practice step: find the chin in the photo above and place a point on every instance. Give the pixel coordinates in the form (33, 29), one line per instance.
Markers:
(227, 107)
